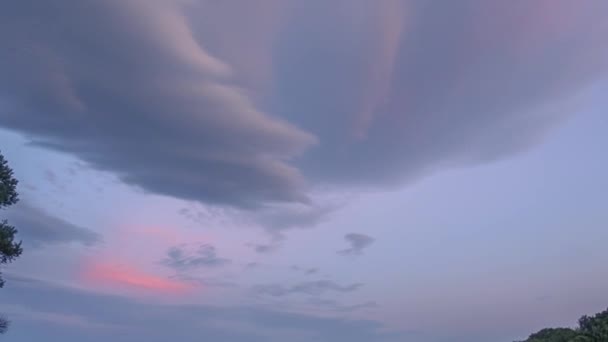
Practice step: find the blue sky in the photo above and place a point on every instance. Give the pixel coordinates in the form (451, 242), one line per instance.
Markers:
(318, 171)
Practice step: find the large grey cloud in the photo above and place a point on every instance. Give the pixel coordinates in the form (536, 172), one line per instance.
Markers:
(127, 88)
(214, 105)
(38, 227)
(403, 88)
(48, 310)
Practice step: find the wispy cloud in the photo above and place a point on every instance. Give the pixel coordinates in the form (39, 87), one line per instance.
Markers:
(61, 319)
(263, 248)
(39, 227)
(305, 270)
(312, 288)
(274, 243)
(252, 265)
(121, 275)
(182, 258)
(206, 282)
(358, 243)
(334, 305)
(191, 322)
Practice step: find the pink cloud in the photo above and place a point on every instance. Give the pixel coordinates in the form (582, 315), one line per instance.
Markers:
(120, 276)
(388, 21)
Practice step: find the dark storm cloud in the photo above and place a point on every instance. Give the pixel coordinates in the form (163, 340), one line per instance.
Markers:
(74, 313)
(183, 258)
(39, 227)
(209, 107)
(357, 242)
(311, 288)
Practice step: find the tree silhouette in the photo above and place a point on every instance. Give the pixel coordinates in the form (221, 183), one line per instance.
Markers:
(590, 329)
(10, 249)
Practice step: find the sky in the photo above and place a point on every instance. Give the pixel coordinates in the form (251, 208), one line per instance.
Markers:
(271, 170)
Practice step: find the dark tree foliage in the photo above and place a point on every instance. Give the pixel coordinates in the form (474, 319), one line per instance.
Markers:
(553, 335)
(595, 328)
(590, 329)
(9, 247)
(8, 184)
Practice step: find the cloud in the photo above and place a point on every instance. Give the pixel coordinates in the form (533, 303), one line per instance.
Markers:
(187, 213)
(205, 282)
(358, 242)
(60, 319)
(252, 265)
(275, 242)
(444, 87)
(262, 248)
(122, 275)
(59, 183)
(205, 214)
(188, 99)
(50, 176)
(38, 227)
(145, 101)
(336, 306)
(311, 288)
(153, 322)
(305, 270)
(279, 218)
(179, 258)
(310, 271)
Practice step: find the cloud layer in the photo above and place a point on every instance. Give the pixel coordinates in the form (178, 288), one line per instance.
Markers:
(311, 288)
(101, 317)
(193, 100)
(38, 227)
